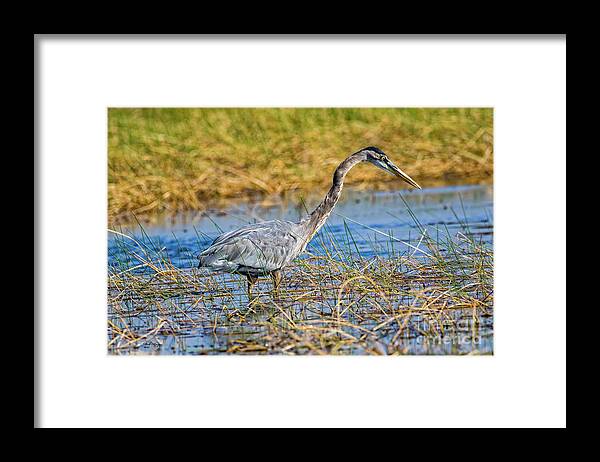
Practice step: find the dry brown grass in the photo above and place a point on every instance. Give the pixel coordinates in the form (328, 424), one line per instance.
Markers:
(436, 301)
(170, 160)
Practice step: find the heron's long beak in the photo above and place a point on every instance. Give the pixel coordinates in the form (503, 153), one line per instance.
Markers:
(390, 167)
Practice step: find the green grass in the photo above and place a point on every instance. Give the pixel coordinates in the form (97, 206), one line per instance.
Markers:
(168, 160)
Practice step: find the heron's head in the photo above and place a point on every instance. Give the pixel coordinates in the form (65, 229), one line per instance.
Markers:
(379, 158)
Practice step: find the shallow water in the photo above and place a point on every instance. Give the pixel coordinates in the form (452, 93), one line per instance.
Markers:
(370, 217)
(367, 225)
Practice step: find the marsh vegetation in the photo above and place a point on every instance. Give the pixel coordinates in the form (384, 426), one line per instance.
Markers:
(392, 272)
(173, 160)
(412, 274)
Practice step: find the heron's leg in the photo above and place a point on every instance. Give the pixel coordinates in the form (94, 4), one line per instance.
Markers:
(276, 275)
(251, 281)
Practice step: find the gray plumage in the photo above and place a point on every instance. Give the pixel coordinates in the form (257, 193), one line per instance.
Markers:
(266, 248)
(256, 249)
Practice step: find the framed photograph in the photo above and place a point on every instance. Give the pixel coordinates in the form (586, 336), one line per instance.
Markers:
(300, 223)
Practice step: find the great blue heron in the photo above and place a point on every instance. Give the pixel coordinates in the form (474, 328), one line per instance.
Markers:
(266, 248)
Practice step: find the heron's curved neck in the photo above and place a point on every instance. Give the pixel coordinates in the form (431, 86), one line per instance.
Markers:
(318, 217)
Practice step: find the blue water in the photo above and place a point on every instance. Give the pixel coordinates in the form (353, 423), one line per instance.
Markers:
(364, 222)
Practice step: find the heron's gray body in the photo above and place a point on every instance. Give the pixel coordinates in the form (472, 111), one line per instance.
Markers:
(268, 247)
(257, 249)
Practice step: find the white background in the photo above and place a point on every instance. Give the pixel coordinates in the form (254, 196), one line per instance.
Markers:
(523, 384)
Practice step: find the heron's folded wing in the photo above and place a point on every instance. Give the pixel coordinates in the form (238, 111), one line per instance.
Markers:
(265, 246)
